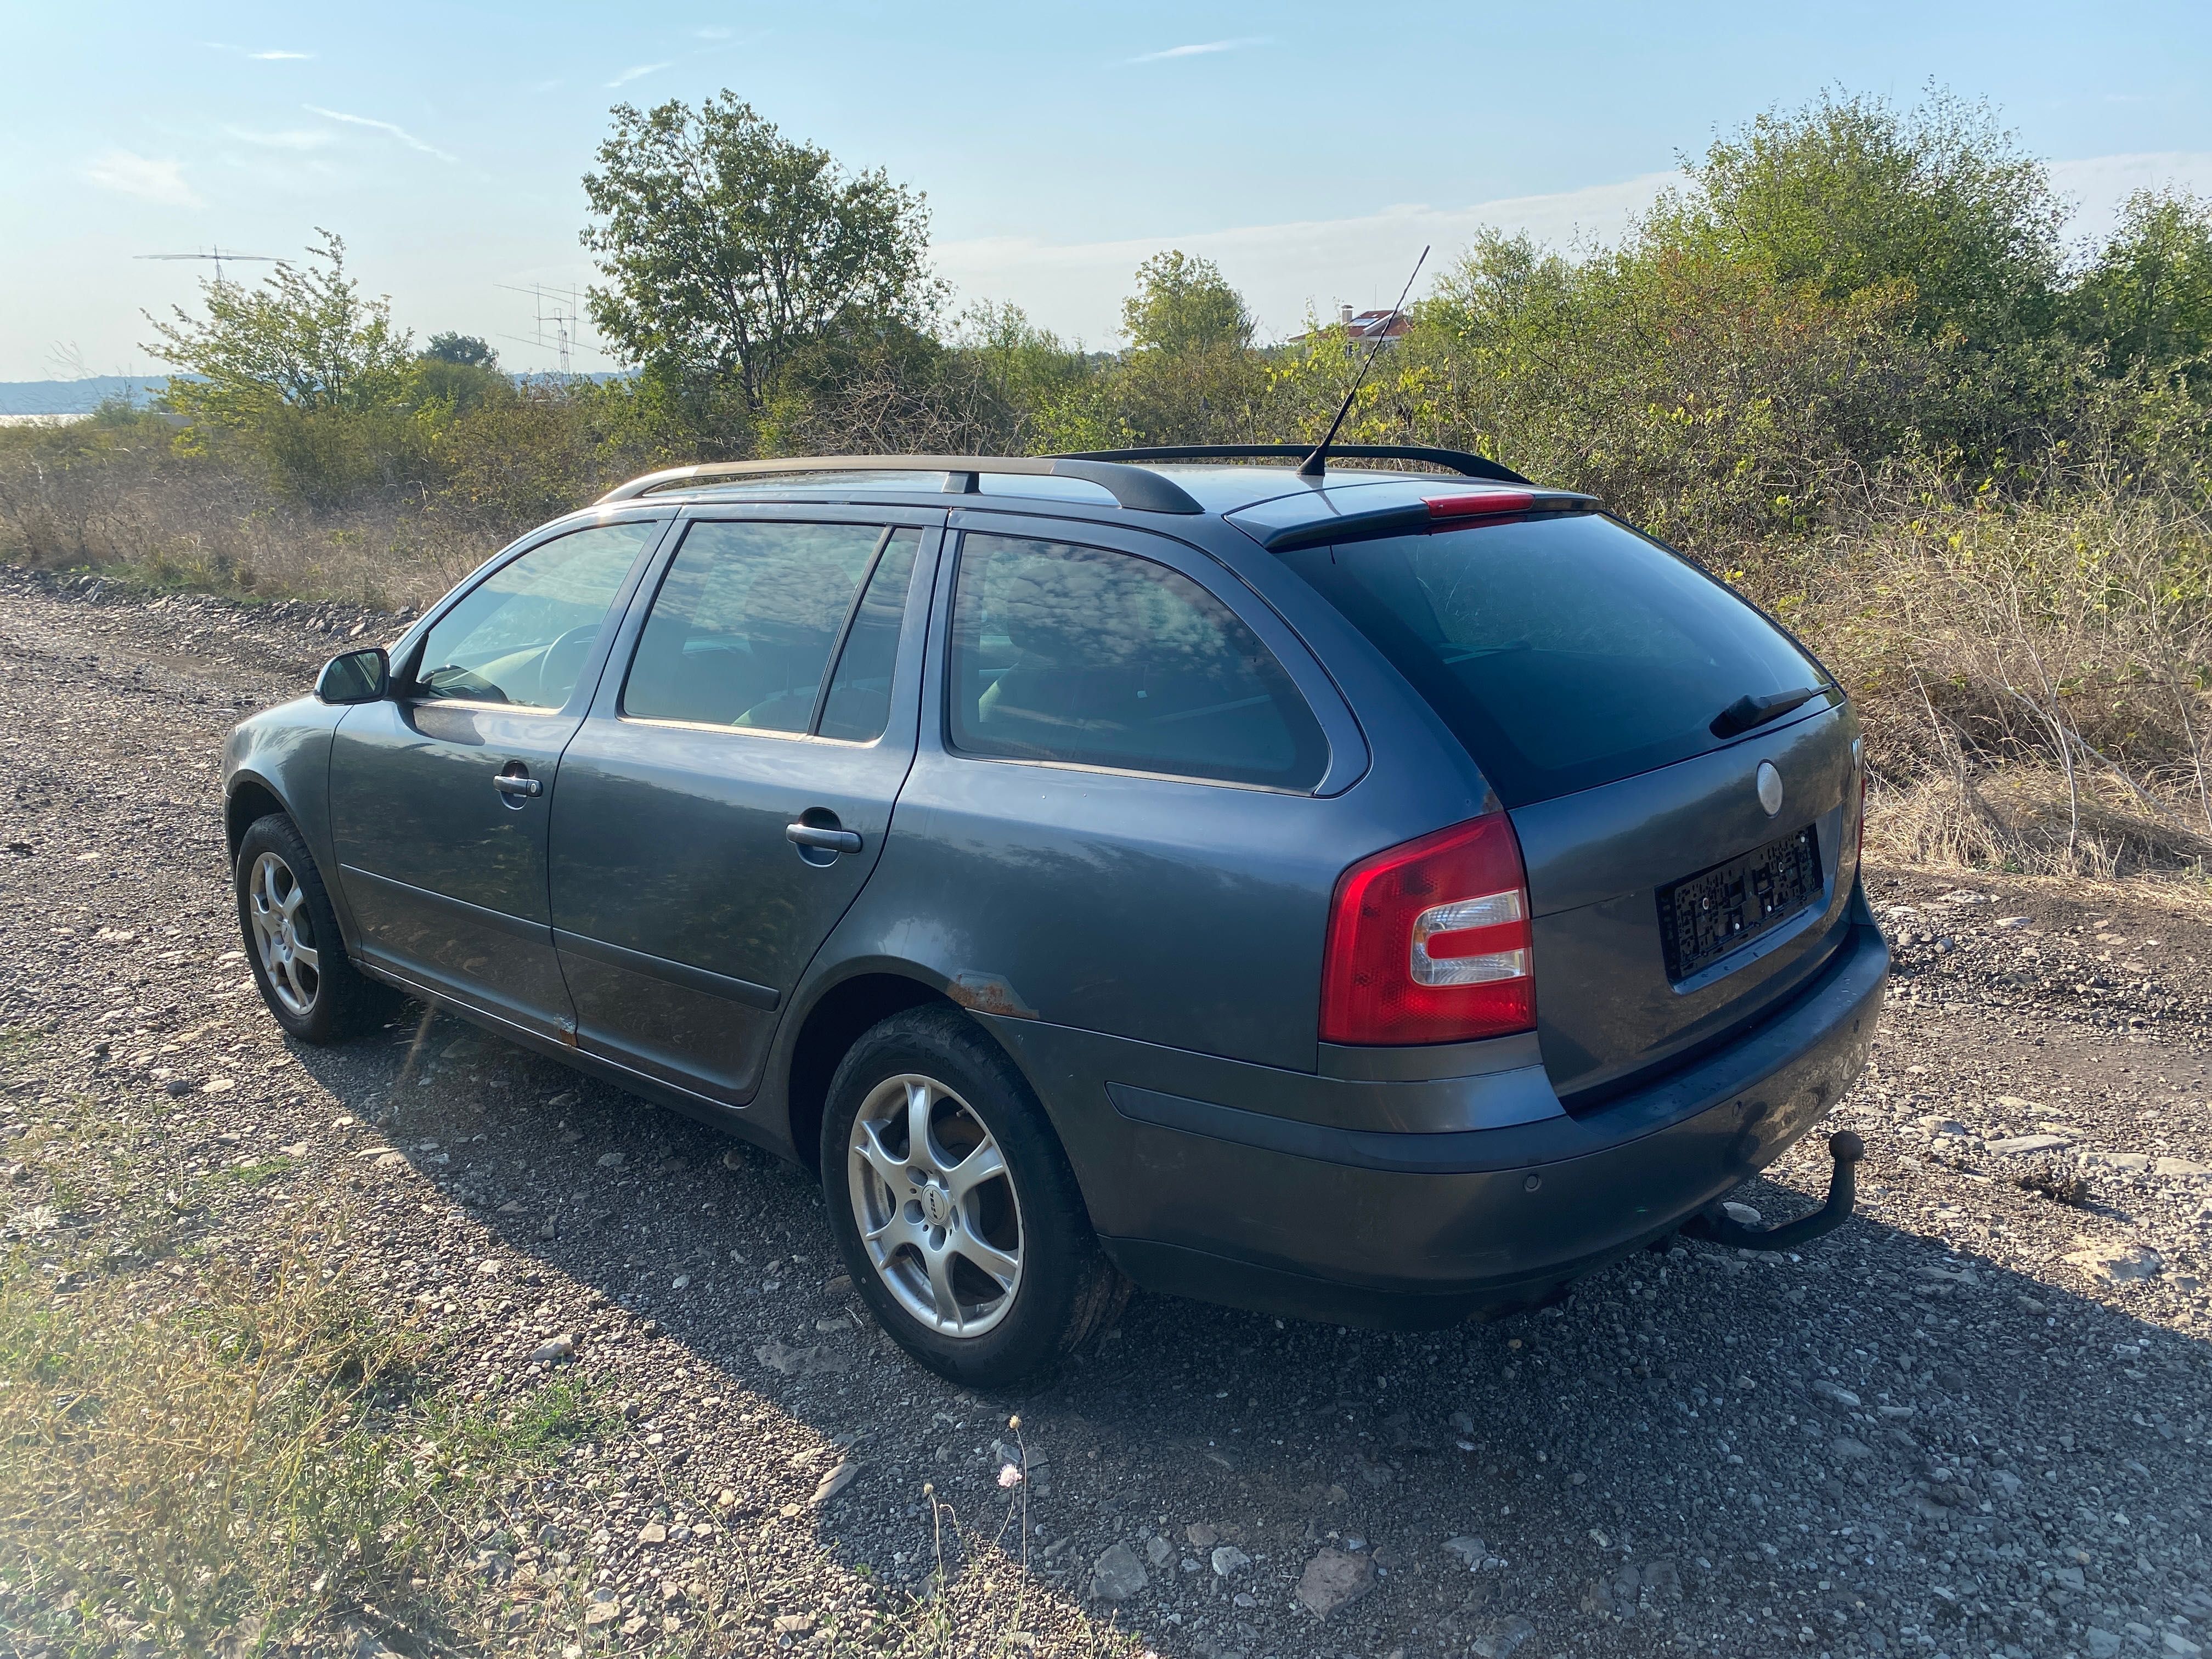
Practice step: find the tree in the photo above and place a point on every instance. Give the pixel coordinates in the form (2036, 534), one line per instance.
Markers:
(467, 350)
(1182, 305)
(726, 246)
(2148, 298)
(305, 340)
(1849, 194)
(1190, 374)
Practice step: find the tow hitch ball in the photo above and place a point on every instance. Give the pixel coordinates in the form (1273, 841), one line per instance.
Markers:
(1715, 1224)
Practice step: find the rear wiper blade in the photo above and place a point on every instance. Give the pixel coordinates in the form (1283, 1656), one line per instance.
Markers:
(1746, 712)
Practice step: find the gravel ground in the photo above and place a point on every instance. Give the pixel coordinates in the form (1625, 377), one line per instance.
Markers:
(1973, 1422)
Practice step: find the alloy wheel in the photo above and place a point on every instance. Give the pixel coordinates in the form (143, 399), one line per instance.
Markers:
(284, 937)
(935, 1205)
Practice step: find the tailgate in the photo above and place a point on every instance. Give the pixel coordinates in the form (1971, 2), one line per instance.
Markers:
(1671, 908)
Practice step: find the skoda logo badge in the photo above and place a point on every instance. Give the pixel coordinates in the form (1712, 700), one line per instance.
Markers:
(1770, 787)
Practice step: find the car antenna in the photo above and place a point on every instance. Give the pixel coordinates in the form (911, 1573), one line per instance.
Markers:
(1317, 463)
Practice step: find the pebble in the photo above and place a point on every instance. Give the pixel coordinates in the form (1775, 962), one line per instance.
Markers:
(2017, 1143)
(1117, 1575)
(833, 1482)
(560, 1347)
(1469, 1549)
(2114, 1264)
(1334, 1579)
(1229, 1561)
(1505, 1638)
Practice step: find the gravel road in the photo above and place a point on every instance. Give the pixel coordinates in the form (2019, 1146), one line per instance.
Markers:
(1973, 1422)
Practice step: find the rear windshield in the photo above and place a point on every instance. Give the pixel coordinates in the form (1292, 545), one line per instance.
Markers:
(1565, 652)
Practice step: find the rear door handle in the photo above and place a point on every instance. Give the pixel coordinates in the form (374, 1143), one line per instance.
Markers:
(508, 784)
(830, 841)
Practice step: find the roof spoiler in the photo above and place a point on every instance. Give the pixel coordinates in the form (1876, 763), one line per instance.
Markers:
(1454, 460)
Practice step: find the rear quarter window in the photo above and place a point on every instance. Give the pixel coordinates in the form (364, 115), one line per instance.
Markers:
(1090, 657)
(1563, 652)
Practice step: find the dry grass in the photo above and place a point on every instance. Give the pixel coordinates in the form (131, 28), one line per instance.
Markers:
(186, 1473)
(117, 495)
(2036, 677)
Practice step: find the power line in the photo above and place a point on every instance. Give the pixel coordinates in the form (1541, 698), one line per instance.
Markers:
(217, 257)
(561, 318)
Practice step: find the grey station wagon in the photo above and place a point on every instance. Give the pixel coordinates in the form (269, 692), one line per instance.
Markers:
(1370, 894)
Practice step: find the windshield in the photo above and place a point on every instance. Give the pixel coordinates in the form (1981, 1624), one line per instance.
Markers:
(1563, 652)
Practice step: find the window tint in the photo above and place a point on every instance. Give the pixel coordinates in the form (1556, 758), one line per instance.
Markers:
(859, 706)
(1101, 658)
(743, 627)
(1565, 652)
(522, 634)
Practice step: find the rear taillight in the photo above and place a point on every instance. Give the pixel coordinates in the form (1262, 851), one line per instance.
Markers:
(1859, 830)
(1429, 942)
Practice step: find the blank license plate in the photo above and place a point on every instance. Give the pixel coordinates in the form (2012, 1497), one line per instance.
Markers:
(1703, 917)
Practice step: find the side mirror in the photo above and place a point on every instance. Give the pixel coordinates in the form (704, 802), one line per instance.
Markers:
(357, 676)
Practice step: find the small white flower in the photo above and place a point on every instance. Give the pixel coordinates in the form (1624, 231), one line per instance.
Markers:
(1009, 1475)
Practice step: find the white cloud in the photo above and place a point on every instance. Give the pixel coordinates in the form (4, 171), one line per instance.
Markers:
(295, 138)
(150, 181)
(2098, 186)
(1202, 49)
(713, 35)
(1284, 271)
(279, 57)
(399, 132)
(638, 71)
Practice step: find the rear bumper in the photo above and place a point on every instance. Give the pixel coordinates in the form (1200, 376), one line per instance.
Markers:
(1245, 1206)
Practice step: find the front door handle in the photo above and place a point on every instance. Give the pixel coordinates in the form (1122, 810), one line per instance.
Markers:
(830, 841)
(509, 783)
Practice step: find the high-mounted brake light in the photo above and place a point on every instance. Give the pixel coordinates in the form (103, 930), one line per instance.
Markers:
(1488, 503)
(1429, 942)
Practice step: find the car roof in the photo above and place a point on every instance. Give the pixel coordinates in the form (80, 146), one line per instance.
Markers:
(1181, 483)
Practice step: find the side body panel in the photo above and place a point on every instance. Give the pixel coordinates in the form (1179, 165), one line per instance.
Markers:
(683, 914)
(1171, 911)
(286, 750)
(1187, 917)
(444, 874)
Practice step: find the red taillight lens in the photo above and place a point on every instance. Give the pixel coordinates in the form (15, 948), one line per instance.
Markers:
(1858, 834)
(1487, 504)
(1429, 942)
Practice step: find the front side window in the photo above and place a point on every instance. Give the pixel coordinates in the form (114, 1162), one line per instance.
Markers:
(1094, 658)
(522, 635)
(749, 616)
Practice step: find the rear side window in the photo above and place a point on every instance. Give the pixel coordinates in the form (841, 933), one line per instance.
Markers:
(748, 618)
(1095, 657)
(1564, 653)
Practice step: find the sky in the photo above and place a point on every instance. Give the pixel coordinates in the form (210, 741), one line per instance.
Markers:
(1309, 151)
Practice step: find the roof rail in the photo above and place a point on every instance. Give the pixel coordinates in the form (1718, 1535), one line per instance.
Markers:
(1131, 486)
(1459, 461)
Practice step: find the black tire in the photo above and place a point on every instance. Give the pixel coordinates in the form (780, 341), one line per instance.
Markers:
(1066, 1290)
(333, 999)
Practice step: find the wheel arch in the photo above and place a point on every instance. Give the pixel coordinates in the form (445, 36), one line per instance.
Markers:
(251, 799)
(833, 1023)
(837, 1016)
